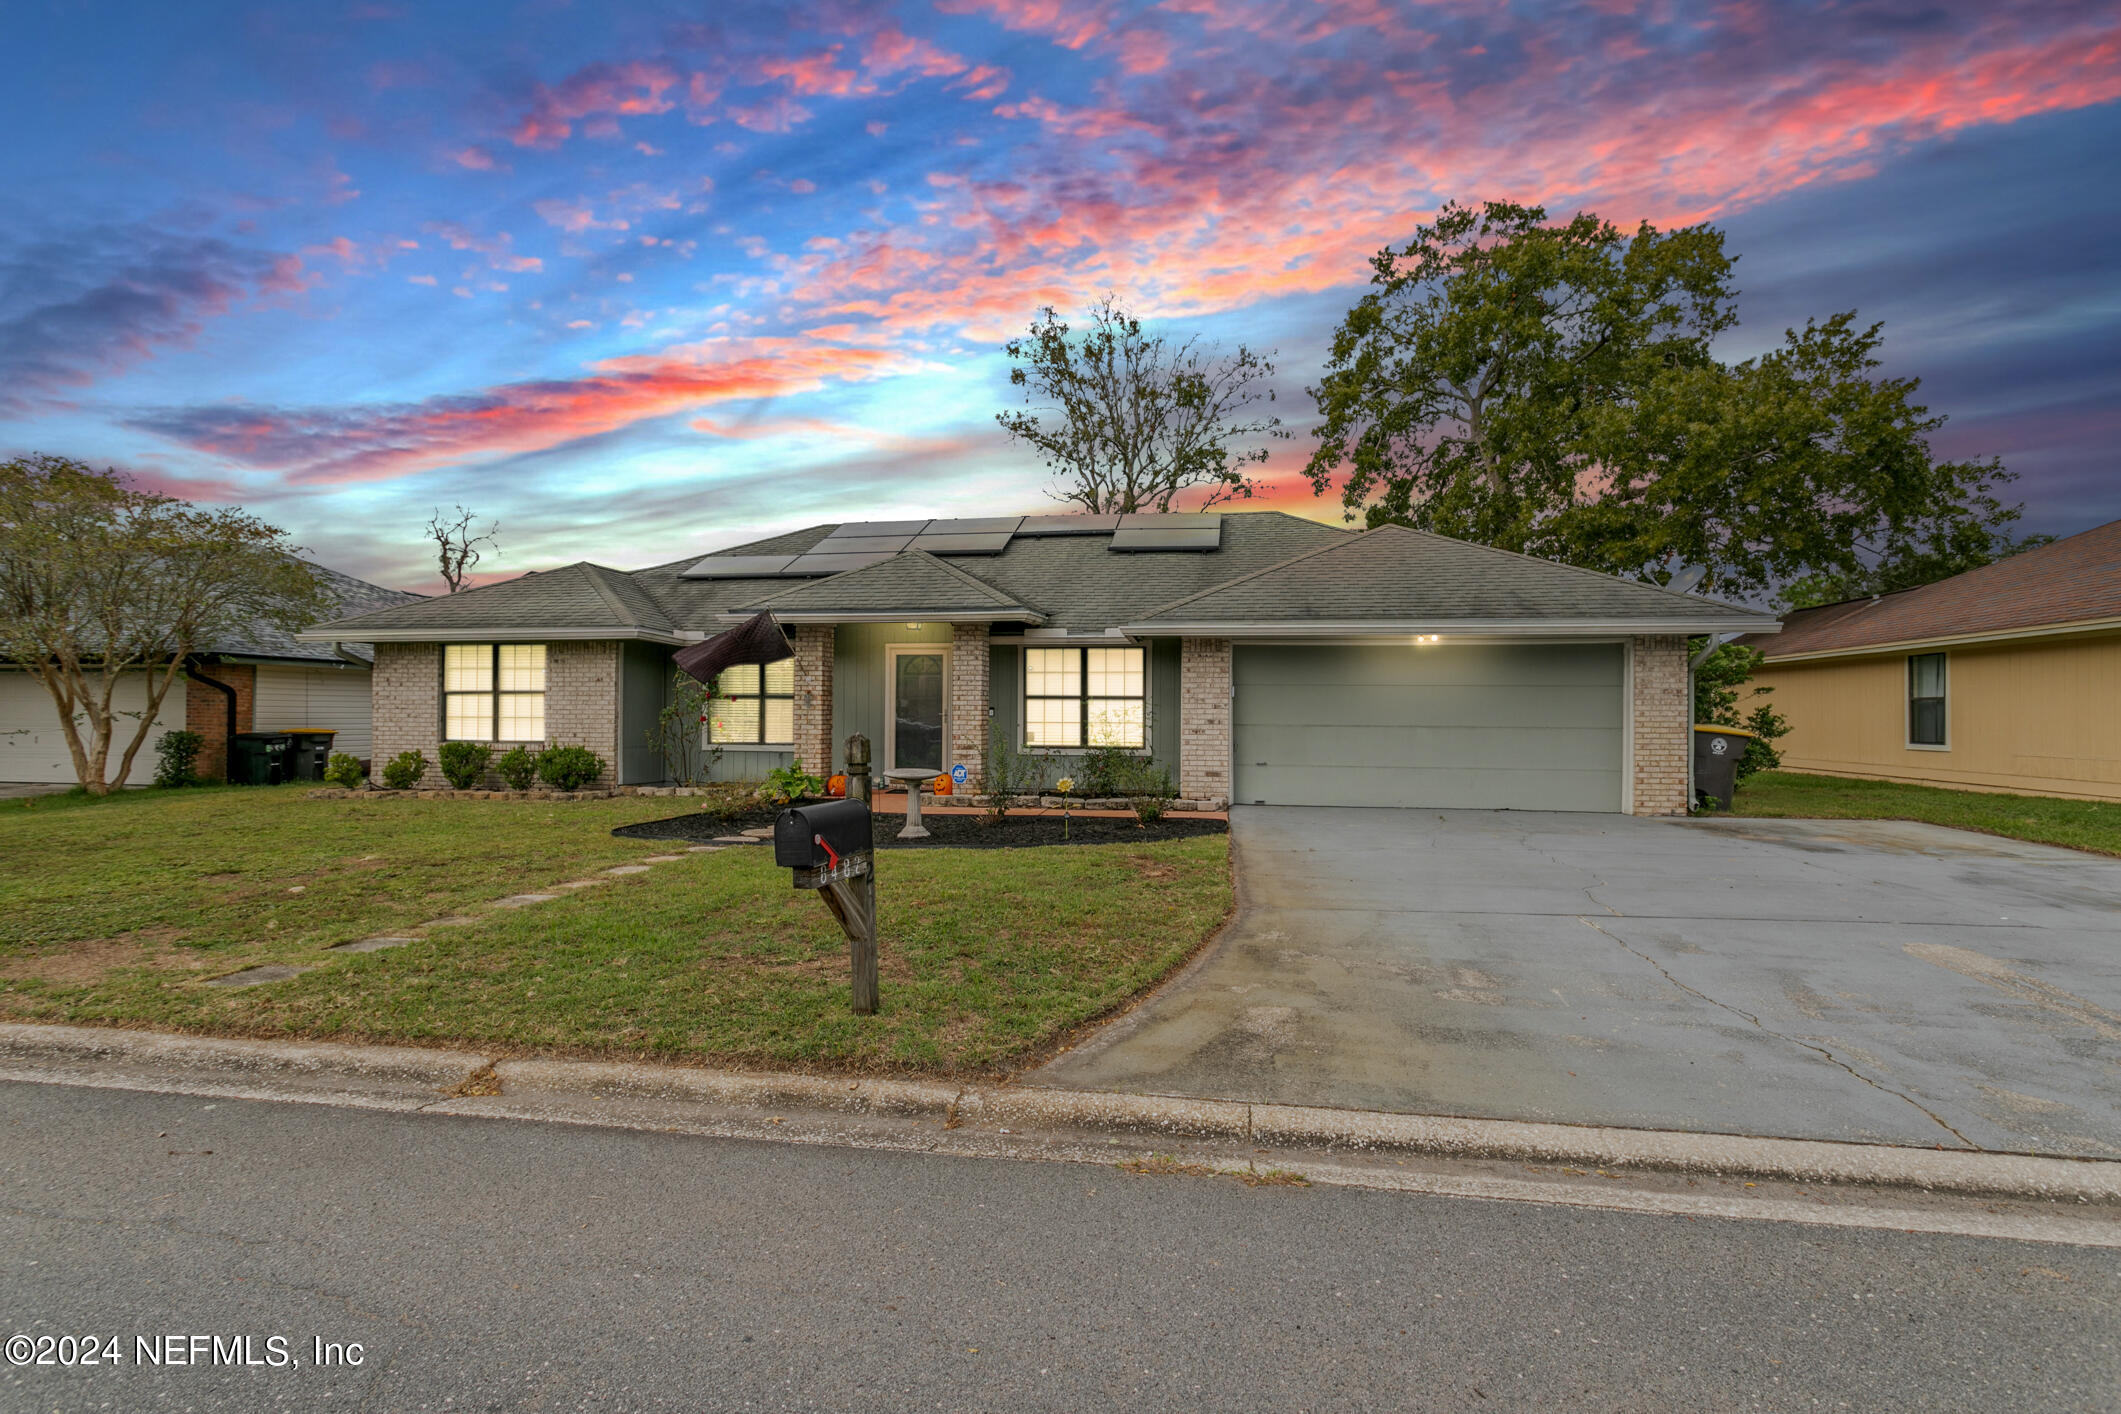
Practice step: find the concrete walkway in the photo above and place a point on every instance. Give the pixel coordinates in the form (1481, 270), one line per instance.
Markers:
(1866, 981)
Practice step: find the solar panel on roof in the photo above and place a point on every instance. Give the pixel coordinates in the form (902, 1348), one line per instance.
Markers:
(979, 525)
(991, 544)
(817, 563)
(738, 567)
(1172, 520)
(1068, 525)
(862, 528)
(1201, 538)
(861, 544)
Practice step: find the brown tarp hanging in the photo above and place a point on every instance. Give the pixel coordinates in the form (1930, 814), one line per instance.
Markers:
(756, 640)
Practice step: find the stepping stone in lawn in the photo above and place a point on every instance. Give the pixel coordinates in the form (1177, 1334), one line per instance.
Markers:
(252, 976)
(662, 859)
(524, 900)
(579, 884)
(457, 920)
(763, 832)
(627, 869)
(704, 849)
(372, 945)
(736, 839)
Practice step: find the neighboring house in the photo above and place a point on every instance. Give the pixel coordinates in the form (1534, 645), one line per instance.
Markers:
(1260, 657)
(259, 678)
(2006, 678)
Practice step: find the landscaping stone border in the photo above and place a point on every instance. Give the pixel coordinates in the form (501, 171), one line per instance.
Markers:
(928, 801)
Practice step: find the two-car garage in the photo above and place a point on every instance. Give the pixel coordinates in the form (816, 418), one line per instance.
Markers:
(1495, 726)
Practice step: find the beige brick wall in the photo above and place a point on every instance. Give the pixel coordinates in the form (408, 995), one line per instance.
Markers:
(1204, 697)
(813, 697)
(581, 703)
(1660, 712)
(969, 720)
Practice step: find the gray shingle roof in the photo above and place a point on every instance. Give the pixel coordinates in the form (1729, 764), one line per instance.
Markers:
(914, 582)
(353, 596)
(579, 600)
(1400, 576)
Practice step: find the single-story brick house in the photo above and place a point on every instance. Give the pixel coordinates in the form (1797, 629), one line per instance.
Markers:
(2005, 678)
(1259, 656)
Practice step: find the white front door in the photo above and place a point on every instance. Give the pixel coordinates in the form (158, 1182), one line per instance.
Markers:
(916, 707)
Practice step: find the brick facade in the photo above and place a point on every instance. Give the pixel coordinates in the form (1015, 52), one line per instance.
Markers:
(970, 719)
(581, 704)
(1204, 700)
(206, 712)
(1659, 717)
(814, 646)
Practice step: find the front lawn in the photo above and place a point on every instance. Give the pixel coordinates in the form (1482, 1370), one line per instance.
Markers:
(118, 911)
(2038, 819)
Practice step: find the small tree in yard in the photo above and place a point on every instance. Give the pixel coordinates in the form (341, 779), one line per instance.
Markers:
(679, 735)
(1717, 684)
(1127, 420)
(458, 544)
(98, 580)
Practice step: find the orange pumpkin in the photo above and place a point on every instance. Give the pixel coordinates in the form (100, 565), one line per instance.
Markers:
(943, 785)
(836, 785)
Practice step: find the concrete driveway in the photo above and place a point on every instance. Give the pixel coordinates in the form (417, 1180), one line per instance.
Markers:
(1872, 981)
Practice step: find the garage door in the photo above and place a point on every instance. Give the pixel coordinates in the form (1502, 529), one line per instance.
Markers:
(316, 697)
(1482, 727)
(33, 745)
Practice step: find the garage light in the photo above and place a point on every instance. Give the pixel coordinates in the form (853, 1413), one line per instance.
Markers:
(1428, 638)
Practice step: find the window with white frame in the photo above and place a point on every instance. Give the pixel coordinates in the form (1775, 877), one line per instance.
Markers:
(493, 692)
(753, 705)
(1080, 697)
(1925, 700)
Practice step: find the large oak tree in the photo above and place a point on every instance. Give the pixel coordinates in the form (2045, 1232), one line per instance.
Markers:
(1552, 389)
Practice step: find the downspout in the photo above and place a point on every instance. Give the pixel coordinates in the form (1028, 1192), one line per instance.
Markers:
(195, 670)
(352, 659)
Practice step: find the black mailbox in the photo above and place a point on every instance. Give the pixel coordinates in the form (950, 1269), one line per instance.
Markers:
(842, 825)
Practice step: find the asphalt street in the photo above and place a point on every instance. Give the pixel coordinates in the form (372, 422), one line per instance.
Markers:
(504, 1265)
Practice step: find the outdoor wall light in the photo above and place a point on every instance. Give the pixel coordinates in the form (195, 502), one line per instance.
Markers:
(916, 625)
(1428, 638)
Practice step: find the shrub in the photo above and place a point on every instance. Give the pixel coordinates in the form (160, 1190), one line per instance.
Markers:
(1148, 808)
(790, 782)
(343, 771)
(403, 771)
(568, 767)
(464, 763)
(1009, 772)
(175, 756)
(517, 768)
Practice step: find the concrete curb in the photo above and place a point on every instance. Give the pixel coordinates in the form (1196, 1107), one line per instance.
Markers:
(412, 1078)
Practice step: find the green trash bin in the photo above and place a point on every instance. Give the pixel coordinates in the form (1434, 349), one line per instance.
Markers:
(261, 758)
(1716, 754)
(311, 753)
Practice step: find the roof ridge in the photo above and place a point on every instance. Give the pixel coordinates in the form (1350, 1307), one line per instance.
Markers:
(1001, 594)
(1161, 609)
(594, 573)
(1684, 598)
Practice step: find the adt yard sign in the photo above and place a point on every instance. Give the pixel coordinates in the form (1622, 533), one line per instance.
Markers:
(958, 773)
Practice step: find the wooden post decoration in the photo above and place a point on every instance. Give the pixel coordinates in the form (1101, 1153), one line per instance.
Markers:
(828, 846)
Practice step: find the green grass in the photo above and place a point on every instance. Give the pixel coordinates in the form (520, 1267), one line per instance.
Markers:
(2078, 824)
(117, 912)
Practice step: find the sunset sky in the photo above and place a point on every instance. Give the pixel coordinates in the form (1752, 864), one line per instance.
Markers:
(639, 280)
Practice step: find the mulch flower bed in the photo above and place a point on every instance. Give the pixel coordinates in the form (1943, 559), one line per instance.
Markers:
(947, 831)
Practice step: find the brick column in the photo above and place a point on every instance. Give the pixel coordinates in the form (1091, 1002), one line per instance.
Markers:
(969, 719)
(1658, 719)
(1204, 699)
(581, 704)
(206, 712)
(406, 690)
(814, 746)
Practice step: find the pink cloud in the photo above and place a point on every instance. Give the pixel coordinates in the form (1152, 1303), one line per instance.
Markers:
(476, 158)
(603, 91)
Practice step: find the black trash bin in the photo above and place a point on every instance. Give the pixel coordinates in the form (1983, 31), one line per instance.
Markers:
(261, 758)
(311, 753)
(1716, 754)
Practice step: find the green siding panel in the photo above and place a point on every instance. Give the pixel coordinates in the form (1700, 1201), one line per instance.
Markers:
(858, 682)
(644, 690)
(1488, 727)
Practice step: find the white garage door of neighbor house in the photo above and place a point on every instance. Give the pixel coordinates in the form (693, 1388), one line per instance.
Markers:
(33, 745)
(338, 698)
(1446, 726)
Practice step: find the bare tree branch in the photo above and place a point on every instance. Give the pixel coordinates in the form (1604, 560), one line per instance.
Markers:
(457, 546)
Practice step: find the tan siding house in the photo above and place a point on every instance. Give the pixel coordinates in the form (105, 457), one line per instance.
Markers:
(2006, 678)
